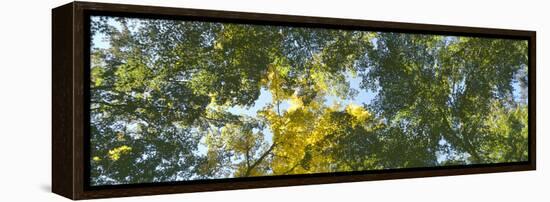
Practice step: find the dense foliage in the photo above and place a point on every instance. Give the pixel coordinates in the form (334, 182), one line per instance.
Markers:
(163, 96)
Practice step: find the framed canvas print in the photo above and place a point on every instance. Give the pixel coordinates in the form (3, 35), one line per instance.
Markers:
(156, 100)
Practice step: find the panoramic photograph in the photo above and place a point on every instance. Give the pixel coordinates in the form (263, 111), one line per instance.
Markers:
(177, 100)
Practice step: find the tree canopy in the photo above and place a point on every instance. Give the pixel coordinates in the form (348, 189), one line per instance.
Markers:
(187, 100)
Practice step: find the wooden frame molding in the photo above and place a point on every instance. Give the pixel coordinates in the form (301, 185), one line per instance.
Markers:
(70, 57)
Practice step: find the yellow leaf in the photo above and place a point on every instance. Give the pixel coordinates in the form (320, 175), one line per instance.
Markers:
(358, 112)
(114, 154)
(295, 104)
(96, 158)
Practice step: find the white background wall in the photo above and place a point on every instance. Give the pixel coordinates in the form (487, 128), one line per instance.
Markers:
(25, 100)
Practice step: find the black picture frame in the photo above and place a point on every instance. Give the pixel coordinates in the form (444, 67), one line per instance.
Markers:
(70, 100)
